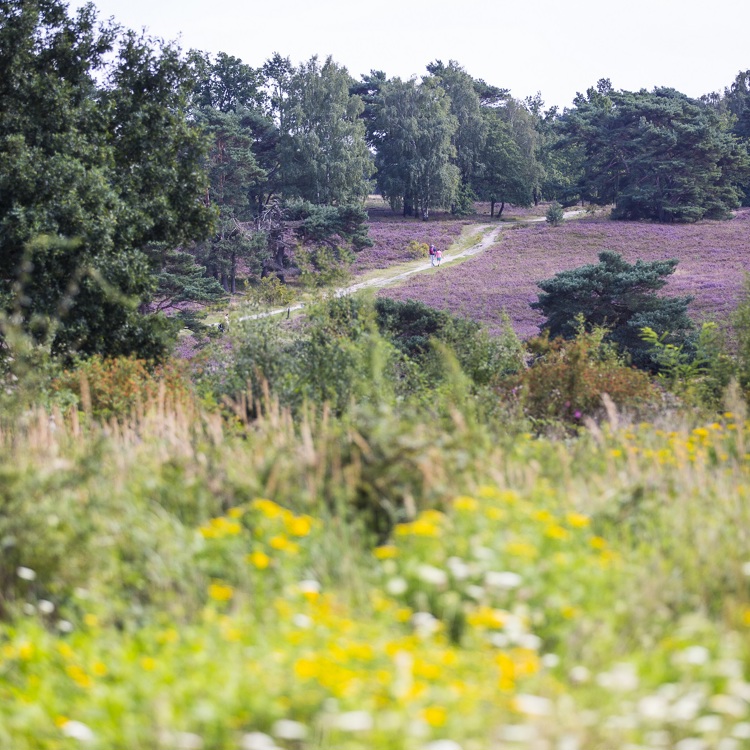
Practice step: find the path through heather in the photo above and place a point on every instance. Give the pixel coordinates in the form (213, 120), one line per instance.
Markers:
(490, 232)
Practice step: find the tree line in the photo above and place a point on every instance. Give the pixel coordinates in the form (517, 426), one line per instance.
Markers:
(134, 177)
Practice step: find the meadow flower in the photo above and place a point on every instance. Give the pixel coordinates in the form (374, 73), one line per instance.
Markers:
(355, 721)
(257, 741)
(432, 575)
(396, 586)
(691, 743)
(78, 731)
(694, 655)
(46, 607)
(220, 592)
(532, 705)
(622, 677)
(459, 569)
(259, 559)
(286, 729)
(505, 580)
(442, 745)
(26, 574)
(425, 623)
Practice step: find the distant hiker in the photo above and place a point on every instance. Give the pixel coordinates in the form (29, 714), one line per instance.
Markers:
(433, 254)
(438, 256)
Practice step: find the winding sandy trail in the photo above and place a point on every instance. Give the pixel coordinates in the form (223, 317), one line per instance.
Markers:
(490, 231)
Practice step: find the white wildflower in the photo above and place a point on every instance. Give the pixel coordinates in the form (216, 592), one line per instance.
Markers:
(65, 626)
(302, 621)
(568, 742)
(694, 655)
(530, 641)
(257, 741)
(432, 575)
(499, 640)
(728, 743)
(483, 553)
(659, 738)
(550, 661)
(29, 608)
(309, 586)
(27, 574)
(579, 674)
(355, 721)
(396, 586)
(746, 568)
(46, 607)
(77, 730)
(690, 743)
(709, 724)
(458, 568)
(475, 592)
(425, 623)
(532, 705)
(442, 745)
(622, 677)
(730, 705)
(687, 707)
(505, 579)
(741, 730)
(653, 707)
(523, 733)
(286, 729)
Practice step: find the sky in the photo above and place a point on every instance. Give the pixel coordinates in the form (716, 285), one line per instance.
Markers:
(546, 46)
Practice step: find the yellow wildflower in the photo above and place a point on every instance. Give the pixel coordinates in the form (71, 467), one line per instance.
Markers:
(299, 525)
(268, 508)
(578, 520)
(220, 592)
(435, 716)
(99, 669)
(465, 503)
(148, 664)
(283, 544)
(259, 559)
(385, 551)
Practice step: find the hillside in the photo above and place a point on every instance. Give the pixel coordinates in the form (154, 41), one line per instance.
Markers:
(713, 257)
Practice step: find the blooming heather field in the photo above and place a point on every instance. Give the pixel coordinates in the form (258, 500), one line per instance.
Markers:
(713, 257)
(391, 234)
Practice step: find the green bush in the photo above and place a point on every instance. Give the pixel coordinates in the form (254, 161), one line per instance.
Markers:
(555, 215)
(567, 379)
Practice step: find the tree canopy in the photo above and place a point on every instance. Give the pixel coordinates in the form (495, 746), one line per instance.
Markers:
(655, 155)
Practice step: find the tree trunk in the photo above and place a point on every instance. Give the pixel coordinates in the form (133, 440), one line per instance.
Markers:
(492, 209)
(500, 212)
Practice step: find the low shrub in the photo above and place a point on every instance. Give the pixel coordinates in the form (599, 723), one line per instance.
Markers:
(567, 379)
(113, 387)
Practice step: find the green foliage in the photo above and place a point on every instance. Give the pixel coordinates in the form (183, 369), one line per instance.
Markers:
(700, 373)
(657, 155)
(272, 292)
(741, 326)
(619, 296)
(568, 379)
(415, 128)
(323, 153)
(555, 215)
(89, 177)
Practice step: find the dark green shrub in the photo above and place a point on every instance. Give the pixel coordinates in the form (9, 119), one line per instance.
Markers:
(616, 295)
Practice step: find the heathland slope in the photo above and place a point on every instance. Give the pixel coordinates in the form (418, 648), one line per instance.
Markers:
(713, 258)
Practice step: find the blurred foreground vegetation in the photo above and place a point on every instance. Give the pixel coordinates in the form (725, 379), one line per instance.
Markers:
(368, 529)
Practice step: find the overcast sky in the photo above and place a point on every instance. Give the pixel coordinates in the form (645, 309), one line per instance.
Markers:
(549, 46)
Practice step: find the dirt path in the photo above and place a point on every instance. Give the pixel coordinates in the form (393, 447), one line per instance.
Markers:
(490, 238)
